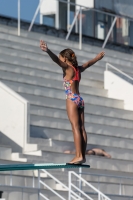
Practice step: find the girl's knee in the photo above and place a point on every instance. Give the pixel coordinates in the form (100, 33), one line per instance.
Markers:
(75, 126)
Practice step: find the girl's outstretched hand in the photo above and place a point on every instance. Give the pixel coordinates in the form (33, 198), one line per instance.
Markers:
(43, 46)
(100, 55)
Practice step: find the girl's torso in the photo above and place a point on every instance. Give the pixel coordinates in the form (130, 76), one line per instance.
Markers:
(72, 78)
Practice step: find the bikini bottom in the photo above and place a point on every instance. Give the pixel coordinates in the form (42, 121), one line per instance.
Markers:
(76, 98)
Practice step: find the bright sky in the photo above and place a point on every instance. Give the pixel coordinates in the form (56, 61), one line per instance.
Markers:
(28, 7)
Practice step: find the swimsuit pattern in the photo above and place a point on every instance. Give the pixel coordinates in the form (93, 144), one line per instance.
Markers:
(76, 98)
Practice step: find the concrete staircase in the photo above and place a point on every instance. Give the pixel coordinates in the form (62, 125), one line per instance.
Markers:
(31, 73)
(6, 154)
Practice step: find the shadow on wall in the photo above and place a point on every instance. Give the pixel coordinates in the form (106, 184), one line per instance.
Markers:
(4, 140)
(38, 132)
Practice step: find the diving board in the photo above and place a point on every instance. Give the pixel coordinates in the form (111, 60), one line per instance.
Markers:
(40, 166)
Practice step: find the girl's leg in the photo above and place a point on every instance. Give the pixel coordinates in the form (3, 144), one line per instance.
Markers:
(73, 115)
(83, 131)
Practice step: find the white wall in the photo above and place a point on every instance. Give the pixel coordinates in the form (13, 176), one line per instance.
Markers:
(87, 3)
(119, 88)
(49, 7)
(14, 119)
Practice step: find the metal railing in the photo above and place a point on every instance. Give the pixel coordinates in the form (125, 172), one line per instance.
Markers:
(101, 196)
(121, 72)
(74, 195)
(69, 28)
(119, 181)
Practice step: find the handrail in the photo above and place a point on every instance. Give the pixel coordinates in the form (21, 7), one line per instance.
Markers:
(110, 30)
(69, 32)
(35, 15)
(50, 175)
(88, 184)
(43, 196)
(52, 190)
(100, 11)
(18, 17)
(81, 191)
(80, 8)
(107, 64)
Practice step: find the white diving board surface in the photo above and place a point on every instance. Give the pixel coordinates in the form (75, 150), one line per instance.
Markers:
(40, 166)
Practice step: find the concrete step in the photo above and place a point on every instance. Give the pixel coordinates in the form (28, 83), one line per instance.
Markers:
(28, 89)
(38, 57)
(59, 94)
(95, 162)
(5, 152)
(26, 181)
(36, 52)
(21, 173)
(6, 162)
(90, 118)
(70, 44)
(61, 146)
(104, 111)
(96, 177)
(27, 196)
(104, 183)
(55, 123)
(48, 71)
(47, 75)
(15, 157)
(44, 66)
(35, 56)
(29, 48)
(11, 193)
(17, 195)
(40, 83)
(112, 139)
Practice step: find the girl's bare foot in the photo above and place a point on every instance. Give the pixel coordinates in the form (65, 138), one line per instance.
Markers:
(77, 161)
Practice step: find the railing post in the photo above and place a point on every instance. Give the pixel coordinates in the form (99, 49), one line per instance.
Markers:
(76, 26)
(80, 30)
(69, 185)
(120, 188)
(37, 10)
(110, 30)
(98, 183)
(99, 196)
(18, 17)
(80, 181)
(11, 178)
(33, 180)
(75, 18)
(22, 194)
(38, 184)
(68, 15)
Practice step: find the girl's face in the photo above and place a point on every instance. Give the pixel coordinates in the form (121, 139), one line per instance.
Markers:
(61, 58)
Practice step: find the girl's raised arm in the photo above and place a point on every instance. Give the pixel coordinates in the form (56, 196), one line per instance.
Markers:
(44, 47)
(92, 62)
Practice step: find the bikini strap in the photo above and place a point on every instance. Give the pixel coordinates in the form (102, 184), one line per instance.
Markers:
(76, 77)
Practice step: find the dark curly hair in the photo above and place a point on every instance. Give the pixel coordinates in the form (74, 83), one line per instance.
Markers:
(70, 55)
